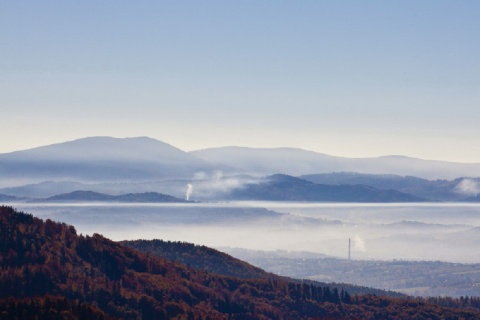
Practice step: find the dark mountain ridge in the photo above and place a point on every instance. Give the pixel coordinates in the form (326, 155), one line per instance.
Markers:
(439, 190)
(337, 186)
(80, 196)
(7, 198)
(280, 187)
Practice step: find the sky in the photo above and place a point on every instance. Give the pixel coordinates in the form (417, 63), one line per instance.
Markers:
(345, 78)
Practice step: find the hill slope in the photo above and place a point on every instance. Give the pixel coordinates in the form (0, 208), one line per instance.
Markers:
(39, 258)
(214, 261)
(199, 257)
(100, 159)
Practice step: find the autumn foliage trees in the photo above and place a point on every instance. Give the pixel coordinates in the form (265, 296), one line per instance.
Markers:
(49, 307)
(48, 269)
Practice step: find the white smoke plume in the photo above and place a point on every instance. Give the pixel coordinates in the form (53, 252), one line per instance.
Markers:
(189, 192)
(468, 187)
(359, 244)
(212, 185)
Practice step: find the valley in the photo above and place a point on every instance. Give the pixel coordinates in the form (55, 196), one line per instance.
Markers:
(415, 278)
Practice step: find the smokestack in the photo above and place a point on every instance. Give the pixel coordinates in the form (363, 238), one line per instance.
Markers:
(189, 192)
(348, 248)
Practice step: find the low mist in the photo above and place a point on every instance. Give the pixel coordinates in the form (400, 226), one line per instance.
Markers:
(446, 232)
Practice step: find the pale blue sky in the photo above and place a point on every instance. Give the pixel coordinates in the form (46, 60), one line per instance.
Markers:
(346, 78)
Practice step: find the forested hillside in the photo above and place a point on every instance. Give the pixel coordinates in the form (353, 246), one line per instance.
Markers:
(214, 261)
(40, 259)
(199, 257)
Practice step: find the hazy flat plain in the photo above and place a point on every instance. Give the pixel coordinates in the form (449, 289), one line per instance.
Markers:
(426, 231)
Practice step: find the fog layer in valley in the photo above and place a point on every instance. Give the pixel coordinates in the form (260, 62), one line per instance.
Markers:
(446, 232)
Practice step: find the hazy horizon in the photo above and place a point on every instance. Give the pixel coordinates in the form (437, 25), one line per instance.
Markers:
(231, 146)
(349, 79)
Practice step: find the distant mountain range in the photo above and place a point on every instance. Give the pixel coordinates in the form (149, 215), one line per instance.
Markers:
(298, 162)
(100, 159)
(141, 165)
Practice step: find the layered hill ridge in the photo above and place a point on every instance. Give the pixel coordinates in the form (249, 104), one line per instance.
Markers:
(143, 158)
(275, 188)
(135, 165)
(41, 258)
